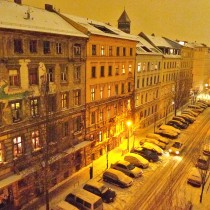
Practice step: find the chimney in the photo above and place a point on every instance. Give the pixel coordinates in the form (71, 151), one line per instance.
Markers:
(49, 7)
(18, 1)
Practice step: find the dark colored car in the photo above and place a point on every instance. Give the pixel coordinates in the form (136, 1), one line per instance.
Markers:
(177, 124)
(180, 119)
(189, 119)
(203, 163)
(107, 194)
(151, 156)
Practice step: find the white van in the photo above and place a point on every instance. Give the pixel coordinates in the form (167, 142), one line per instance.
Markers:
(63, 205)
(83, 199)
(137, 160)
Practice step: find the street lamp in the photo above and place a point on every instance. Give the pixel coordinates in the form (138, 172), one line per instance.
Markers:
(129, 123)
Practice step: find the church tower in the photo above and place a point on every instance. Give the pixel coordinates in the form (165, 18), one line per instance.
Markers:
(124, 22)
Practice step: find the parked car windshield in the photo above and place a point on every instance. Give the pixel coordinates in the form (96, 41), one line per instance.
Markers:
(103, 189)
(131, 166)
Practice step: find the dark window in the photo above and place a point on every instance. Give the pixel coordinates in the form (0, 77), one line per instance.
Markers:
(77, 73)
(50, 75)
(33, 46)
(34, 107)
(102, 71)
(131, 51)
(18, 46)
(118, 51)
(116, 90)
(51, 103)
(93, 49)
(46, 47)
(77, 124)
(93, 118)
(93, 72)
(33, 76)
(123, 88)
(110, 71)
(64, 71)
(129, 87)
(65, 129)
(110, 50)
(124, 51)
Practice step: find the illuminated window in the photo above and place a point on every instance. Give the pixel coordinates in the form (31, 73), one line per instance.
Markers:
(17, 146)
(129, 104)
(77, 97)
(109, 90)
(34, 107)
(58, 48)
(117, 70)
(102, 50)
(130, 68)
(14, 78)
(101, 115)
(101, 92)
(64, 100)
(92, 94)
(139, 67)
(16, 111)
(100, 136)
(50, 75)
(123, 69)
(64, 71)
(35, 140)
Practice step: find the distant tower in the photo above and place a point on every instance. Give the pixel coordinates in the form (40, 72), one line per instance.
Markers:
(124, 22)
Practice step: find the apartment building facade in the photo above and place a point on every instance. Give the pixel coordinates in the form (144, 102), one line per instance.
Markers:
(42, 101)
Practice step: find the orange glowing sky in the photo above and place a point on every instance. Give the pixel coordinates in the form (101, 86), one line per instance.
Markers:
(187, 20)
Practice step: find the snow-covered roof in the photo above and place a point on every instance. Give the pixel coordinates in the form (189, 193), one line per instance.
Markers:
(144, 47)
(22, 17)
(159, 41)
(99, 28)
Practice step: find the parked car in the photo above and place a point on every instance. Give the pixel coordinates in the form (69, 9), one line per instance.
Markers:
(167, 133)
(157, 137)
(152, 147)
(188, 118)
(176, 148)
(203, 162)
(64, 205)
(107, 194)
(201, 105)
(137, 160)
(127, 168)
(194, 178)
(177, 124)
(118, 178)
(168, 127)
(190, 112)
(154, 141)
(151, 156)
(181, 119)
(196, 108)
(204, 102)
(206, 149)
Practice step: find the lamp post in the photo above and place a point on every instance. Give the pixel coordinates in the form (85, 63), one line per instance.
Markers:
(128, 124)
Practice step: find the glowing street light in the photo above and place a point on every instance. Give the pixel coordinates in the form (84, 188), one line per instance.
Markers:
(129, 123)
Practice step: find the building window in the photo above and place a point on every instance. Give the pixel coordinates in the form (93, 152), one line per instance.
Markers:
(110, 71)
(101, 92)
(64, 100)
(137, 83)
(131, 51)
(33, 77)
(16, 111)
(51, 103)
(33, 46)
(77, 49)
(50, 75)
(77, 97)
(77, 124)
(14, 78)
(93, 49)
(58, 48)
(35, 140)
(101, 115)
(129, 87)
(139, 67)
(102, 50)
(116, 89)
(100, 136)
(123, 69)
(34, 107)
(123, 88)
(109, 90)
(93, 72)
(118, 51)
(124, 51)
(117, 70)
(92, 94)
(130, 68)
(93, 117)
(64, 71)
(77, 73)
(110, 50)
(102, 71)
(1, 152)
(17, 146)
(65, 129)
(18, 46)
(46, 47)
